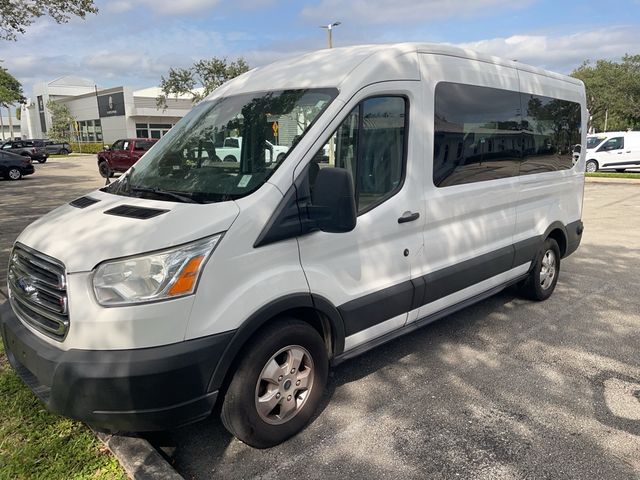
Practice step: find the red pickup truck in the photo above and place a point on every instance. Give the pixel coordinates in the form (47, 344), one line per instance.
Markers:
(122, 154)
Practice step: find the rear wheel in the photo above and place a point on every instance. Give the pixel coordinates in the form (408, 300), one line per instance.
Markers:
(64, 151)
(230, 158)
(14, 173)
(544, 274)
(592, 166)
(278, 384)
(280, 157)
(105, 171)
(42, 160)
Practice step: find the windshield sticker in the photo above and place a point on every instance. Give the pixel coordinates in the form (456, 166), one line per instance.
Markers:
(244, 181)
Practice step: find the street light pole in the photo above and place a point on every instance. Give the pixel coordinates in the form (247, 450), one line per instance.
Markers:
(330, 31)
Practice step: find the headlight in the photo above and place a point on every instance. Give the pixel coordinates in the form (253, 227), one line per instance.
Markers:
(161, 275)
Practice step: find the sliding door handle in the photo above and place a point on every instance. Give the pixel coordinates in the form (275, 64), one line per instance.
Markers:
(408, 217)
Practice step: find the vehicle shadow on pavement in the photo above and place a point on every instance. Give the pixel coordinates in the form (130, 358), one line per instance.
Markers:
(506, 388)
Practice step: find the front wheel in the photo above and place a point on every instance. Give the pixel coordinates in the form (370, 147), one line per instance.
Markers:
(230, 158)
(592, 166)
(64, 151)
(42, 160)
(105, 171)
(278, 384)
(14, 174)
(543, 277)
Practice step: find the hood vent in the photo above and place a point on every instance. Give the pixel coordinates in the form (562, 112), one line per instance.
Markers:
(83, 202)
(132, 211)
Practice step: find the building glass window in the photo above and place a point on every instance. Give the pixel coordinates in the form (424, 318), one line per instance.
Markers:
(152, 130)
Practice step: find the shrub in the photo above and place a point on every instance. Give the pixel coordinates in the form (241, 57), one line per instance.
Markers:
(87, 147)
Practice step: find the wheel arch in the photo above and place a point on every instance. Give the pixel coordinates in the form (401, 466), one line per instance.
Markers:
(312, 309)
(558, 231)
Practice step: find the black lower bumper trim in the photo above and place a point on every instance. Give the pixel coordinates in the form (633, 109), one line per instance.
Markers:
(123, 390)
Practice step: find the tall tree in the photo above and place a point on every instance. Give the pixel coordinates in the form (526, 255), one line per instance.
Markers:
(61, 121)
(10, 93)
(16, 15)
(613, 92)
(199, 80)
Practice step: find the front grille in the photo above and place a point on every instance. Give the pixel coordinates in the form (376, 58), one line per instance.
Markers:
(38, 291)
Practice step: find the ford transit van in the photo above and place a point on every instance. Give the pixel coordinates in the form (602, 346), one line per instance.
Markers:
(415, 180)
(613, 150)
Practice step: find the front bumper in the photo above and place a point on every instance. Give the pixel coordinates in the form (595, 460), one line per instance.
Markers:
(118, 390)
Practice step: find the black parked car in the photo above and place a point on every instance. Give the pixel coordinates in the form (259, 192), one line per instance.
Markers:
(52, 147)
(14, 166)
(26, 148)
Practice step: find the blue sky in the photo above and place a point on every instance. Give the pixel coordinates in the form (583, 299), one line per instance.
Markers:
(133, 42)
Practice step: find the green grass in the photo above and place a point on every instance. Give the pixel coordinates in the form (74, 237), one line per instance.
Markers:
(614, 175)
(35, 444)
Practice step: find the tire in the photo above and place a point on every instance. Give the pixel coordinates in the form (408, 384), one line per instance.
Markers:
(620, 170)
(42, 160)
(230, 158)
(14, 173)
(270, 355)
(105, 171)
(592, 166)
(279, 157)
(64, 151)
(544, 275)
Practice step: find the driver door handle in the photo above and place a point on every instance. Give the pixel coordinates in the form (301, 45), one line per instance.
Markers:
(408, 217)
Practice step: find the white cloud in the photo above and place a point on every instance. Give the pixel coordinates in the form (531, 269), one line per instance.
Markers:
(119, 6)
(562, 52)
(393, 11)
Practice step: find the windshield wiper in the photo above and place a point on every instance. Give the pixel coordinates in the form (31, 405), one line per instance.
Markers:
(164, 193)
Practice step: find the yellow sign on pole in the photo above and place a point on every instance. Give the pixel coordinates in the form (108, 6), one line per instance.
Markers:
(275, 128)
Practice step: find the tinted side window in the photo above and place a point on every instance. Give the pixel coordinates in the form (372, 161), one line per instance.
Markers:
(615, 143)
(476, 134)
(143, 145)
(370, 143)
(551, 128)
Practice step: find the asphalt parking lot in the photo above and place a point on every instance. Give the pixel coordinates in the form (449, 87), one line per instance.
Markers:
(506, 389)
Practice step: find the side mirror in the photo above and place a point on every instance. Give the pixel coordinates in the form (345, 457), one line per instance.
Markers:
(333, 201)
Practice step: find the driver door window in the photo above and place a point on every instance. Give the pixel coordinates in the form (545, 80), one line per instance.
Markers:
(370, 143)
(118, 145)
(615, 143)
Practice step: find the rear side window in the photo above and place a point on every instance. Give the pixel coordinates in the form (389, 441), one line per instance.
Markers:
(483, 133)
(476, 134)
(551, 128)
(143, 145)
(370, 143)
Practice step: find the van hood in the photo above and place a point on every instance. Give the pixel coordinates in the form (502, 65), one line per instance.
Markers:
(83, 236)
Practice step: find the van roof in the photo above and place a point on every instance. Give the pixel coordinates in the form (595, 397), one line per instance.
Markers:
(610, 134)
(331, 67)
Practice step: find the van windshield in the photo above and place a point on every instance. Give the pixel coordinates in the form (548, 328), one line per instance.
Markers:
(225, 148)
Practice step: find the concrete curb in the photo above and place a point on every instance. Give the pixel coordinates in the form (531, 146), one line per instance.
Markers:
(138, 458)
(610, 180)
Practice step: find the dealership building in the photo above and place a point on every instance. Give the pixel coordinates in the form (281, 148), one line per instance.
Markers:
(102, 114)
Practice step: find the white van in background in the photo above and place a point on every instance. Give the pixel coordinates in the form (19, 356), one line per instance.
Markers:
(418, 180)
(613, 150)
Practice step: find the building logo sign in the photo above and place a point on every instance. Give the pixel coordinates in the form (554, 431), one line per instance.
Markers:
(111, 105)
(43, 122)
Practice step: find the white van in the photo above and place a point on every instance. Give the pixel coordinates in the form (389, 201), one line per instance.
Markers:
(418, 180)
(613, 150)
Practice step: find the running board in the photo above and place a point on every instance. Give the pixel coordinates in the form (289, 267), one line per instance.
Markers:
(410, 327)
